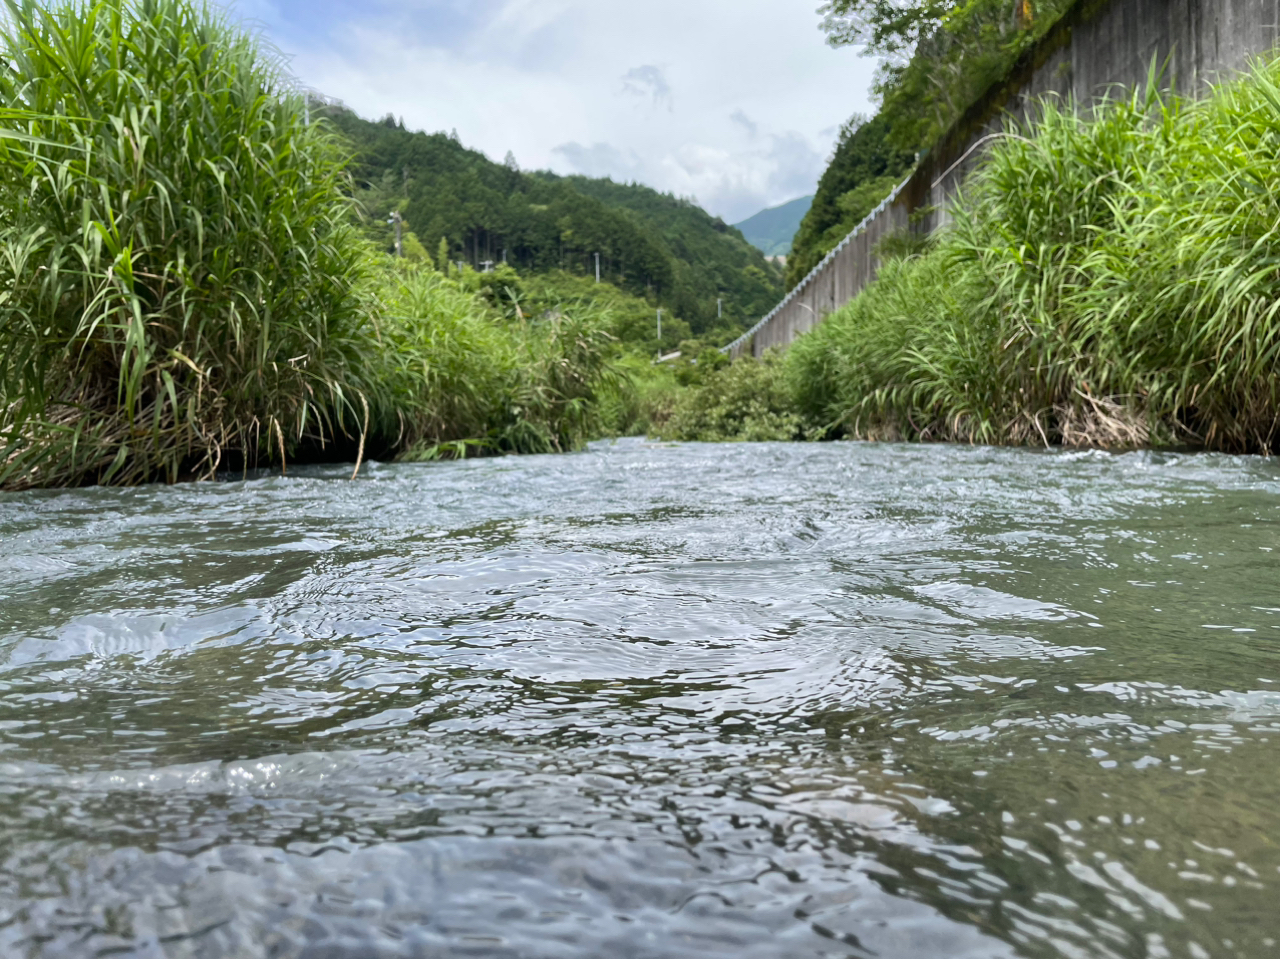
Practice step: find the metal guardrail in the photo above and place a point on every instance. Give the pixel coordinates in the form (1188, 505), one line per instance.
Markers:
(799, 287)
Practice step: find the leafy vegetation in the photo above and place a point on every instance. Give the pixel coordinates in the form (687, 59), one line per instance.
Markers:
(630, 319)
(186, 284)
(183, 287)
(711, 260)
(747, 401)
(1109, 280)
(652, 245)
(466, 380)
(939, 56)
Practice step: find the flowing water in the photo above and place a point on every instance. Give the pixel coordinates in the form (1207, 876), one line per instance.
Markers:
(645, 701)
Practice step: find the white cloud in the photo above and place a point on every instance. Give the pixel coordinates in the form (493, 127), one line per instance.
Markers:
(601, 160)
(736, 102)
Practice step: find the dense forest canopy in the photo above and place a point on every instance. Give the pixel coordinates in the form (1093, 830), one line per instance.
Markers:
(706, 266)
(650, 244)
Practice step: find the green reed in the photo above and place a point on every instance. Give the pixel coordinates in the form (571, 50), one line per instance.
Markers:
(465, 378)
(180, 281)
(1109, 278)
(184, 288)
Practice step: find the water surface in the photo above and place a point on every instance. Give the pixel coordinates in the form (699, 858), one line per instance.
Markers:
(649, 701)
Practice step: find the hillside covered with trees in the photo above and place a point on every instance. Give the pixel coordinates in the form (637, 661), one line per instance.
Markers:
(937, 58)
(862, 171)
(653, 245)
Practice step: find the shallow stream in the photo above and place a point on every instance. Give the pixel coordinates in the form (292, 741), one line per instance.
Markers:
(748, 701)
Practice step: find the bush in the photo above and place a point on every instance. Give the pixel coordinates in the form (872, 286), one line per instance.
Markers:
(749, 400)
(466, 379)
(639, 399)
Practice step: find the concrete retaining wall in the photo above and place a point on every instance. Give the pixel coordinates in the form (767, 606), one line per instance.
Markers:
(1097, 46)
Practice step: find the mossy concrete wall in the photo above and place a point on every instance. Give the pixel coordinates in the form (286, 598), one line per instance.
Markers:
(1098, 46)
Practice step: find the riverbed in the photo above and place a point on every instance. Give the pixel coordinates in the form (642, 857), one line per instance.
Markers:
(759, 700)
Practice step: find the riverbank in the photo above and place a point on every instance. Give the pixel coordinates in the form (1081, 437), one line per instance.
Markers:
(186, 287)
(1107, 280)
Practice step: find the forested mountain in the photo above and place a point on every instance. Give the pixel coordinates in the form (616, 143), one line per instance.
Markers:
(771, 231)
(863, 169)
(712, 259)
(654, 245)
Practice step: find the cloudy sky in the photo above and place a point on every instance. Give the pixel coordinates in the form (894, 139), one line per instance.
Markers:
(733, 102)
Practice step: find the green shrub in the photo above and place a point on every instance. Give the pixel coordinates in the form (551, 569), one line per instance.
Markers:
(749, 400)
(464, 378)
(640, 398)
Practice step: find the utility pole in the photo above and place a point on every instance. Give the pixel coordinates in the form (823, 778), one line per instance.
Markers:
(597, 267)
(720, 309)
(659, 331)
(397, 220)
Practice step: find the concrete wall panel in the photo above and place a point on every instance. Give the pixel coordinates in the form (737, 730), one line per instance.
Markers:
(1098, 48)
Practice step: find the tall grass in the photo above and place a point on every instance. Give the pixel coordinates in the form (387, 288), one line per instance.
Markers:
(179, 276)
(465, 378)
(183, 287)
(1110, 278)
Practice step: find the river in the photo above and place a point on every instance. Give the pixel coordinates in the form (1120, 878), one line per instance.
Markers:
(762, 700)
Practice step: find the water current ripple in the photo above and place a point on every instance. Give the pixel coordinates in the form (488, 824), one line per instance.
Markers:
(648, 701)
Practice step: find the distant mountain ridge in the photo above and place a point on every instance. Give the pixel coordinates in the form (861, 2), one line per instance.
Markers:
(771, 231)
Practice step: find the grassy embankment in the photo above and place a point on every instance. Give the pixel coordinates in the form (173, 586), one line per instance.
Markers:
(1109, 280)
(184, 287)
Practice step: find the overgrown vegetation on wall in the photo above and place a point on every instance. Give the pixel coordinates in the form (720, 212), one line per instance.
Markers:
(938, 59)
(1109, 280)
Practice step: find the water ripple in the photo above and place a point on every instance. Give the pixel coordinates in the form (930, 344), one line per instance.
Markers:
(752, 700)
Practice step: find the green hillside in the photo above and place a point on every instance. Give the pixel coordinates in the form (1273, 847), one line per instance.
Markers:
(712, 259)
(667, 250)
(771, 231)
(864, 168)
